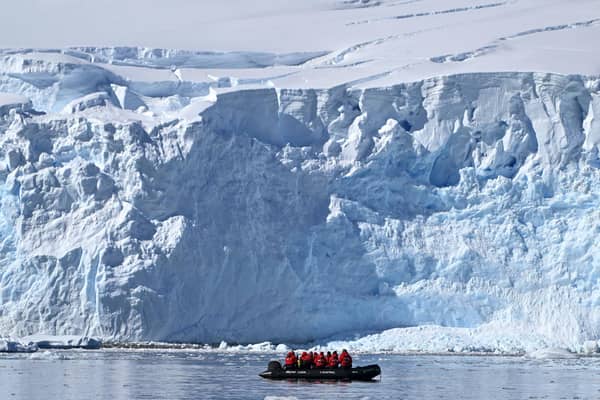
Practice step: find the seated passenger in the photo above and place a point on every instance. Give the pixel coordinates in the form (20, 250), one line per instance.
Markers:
(345, 359)
(305, 360)
(320, 361)
(290, 361)
(333, 361)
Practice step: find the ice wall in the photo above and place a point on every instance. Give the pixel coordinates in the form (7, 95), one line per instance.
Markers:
(293, 215)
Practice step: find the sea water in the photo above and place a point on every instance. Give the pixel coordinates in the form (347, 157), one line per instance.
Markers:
(187, 374)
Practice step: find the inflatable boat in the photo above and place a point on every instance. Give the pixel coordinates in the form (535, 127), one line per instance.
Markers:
(275, 371)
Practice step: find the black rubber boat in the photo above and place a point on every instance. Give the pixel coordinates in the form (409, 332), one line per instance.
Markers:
(275, 371)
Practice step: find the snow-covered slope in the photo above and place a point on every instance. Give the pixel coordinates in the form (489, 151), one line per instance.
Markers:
(300, 193)
(374, 42)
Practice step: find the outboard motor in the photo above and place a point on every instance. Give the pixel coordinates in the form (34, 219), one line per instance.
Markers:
(274, 366)
(273, 369)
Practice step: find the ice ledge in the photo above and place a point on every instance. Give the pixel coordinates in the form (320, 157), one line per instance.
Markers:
(174, 58)
(15, 346)
(62, 342)
(491, 338)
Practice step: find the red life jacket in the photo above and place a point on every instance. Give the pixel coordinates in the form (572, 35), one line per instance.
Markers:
(345, 360)
(290, 359)
(306, 360)
(333, 362)
(320, 362)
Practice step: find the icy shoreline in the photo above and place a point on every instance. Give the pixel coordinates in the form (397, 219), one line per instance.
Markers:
(33, 343)
(387, 342)
(262, 348)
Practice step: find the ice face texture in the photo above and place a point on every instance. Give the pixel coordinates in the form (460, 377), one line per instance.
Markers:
(186, 211)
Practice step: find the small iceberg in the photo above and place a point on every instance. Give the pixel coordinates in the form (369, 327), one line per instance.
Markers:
(551, 353)
(590, 347)
(63, 342)
(11, 346)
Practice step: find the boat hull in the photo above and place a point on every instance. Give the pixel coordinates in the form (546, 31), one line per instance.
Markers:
(366, 373)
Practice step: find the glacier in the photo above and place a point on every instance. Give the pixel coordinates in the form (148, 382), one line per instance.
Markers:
(384, 191)
(299, 214)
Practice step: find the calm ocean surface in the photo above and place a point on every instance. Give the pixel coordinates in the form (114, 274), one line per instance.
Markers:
(154, 374)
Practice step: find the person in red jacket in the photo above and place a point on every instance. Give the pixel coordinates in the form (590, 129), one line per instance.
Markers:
(328, 357)
(320, 361)
(345, 359)
(290, 361)
(305, 360)
(333, 361)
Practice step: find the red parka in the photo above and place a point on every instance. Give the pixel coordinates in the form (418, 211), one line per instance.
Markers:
(333, 361)
(290, 360)
(306, 360)
(345, 360)
(320, 361)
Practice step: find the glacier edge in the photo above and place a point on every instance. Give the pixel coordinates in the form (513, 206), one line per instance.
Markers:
(293, 215)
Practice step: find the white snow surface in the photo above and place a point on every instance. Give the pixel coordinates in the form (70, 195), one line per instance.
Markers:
(310, 43)
(427, 170)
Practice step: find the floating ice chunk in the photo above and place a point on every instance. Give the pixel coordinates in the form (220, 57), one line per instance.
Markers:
(263, 347)
(62, 342)
(48, 355)
(590, 347)
(10, 346)
(551, 353)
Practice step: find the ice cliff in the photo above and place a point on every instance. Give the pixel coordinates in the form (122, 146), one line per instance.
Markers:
(173, 211)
